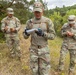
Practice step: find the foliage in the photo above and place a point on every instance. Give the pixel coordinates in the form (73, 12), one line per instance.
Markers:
(59, 20)
(22, 15)
(23, 12)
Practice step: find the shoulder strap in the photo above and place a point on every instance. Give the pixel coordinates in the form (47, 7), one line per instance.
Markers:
(45, 21)
(15, 21)
(47, 26)
(31, 23)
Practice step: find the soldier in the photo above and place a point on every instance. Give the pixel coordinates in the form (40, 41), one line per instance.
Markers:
(68, 32)
(10, 27)
(39, 51)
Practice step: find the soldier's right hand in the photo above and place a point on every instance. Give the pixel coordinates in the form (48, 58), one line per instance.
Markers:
(69, 34)
(25, 31)
(12, 30)
(39, 32)
(6, 28)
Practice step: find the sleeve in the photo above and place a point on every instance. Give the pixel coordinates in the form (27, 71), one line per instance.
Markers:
(63, 30)
(74, 36)
(50, 34)
(74, 33)
(27, 27)
(18, 24)
(3, 25)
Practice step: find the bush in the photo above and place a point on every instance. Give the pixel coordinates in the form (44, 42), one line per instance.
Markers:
(59, 20)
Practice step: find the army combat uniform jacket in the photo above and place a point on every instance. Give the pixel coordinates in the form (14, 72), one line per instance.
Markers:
(10, 23)
(69, 42)
(47, 27)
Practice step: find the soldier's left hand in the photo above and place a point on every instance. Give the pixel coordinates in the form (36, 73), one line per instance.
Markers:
(40, 32)
(12, 29)
(70, 34)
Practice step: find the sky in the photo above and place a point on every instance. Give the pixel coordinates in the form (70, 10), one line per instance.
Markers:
(53, 3)
(59, 3)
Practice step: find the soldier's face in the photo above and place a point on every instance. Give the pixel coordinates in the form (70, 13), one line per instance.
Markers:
(38, 14)
(71, 25)
(71, 22)
(10, 15)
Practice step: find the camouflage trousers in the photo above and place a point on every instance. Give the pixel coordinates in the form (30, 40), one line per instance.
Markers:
(13, 46)
(40, 61)
(72, 53)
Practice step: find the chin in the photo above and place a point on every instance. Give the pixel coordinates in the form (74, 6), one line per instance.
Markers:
(38, 17)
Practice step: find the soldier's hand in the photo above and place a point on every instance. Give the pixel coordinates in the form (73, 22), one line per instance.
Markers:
(70, 34)
(25, 31)
(12, 29)
(39, 32)
(6, 28)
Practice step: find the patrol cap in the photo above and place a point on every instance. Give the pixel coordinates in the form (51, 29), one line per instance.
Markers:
(38, 7)
(10, 11)
(71, 19)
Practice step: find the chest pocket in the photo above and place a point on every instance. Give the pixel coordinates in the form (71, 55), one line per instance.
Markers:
(42, 25)
(11, 23)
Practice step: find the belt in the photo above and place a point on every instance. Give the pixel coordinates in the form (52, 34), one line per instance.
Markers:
(38, 46)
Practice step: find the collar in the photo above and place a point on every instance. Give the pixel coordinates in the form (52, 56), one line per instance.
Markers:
(10, 18)
(72, 26)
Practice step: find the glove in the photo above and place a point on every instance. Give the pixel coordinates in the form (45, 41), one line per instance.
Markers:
(39, 32)
(26, 32)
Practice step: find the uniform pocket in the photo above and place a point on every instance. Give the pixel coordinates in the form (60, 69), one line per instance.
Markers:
(72, 46)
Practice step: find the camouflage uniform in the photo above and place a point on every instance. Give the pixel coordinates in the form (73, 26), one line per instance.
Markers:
(39, 51)
(12, 39)
(69, 44)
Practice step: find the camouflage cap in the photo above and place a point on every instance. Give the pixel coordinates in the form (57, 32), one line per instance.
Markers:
(10, 11)
(38, 7)
(71, 19)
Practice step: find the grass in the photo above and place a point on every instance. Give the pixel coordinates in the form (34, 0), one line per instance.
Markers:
(55, 47)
